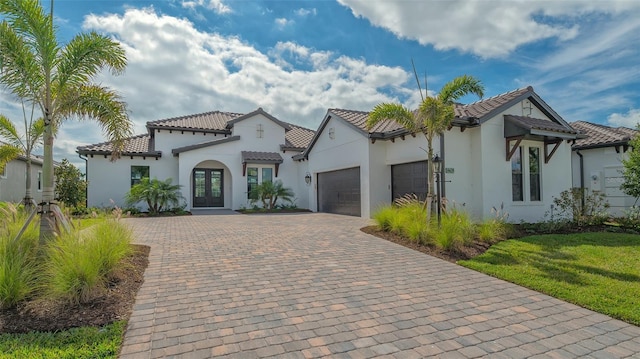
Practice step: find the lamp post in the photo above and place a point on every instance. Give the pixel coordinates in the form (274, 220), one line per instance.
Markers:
(437, 164)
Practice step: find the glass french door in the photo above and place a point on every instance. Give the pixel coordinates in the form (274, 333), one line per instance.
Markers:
(208, 190)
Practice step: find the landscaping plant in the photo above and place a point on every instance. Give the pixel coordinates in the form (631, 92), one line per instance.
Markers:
(158, 195)
(269, 192)
(582, 206)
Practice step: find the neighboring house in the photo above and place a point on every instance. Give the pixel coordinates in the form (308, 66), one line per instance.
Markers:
(597, 162)
(13, 179)
(217, 157)
(511, 149)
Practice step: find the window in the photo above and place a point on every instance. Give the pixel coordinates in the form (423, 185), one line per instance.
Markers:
(259, 131)
(525, 175)
(252, 182)
(39, 181)
(516, 176)
(267, 175)
(138, 173)
(534, 173)
(3, 171)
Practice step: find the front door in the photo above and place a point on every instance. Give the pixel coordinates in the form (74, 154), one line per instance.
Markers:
(208, 190)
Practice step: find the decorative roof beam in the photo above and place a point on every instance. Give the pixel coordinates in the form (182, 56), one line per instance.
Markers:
(511, 150)
(547, 155)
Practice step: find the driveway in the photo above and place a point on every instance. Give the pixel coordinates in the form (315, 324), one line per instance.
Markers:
(313, 285)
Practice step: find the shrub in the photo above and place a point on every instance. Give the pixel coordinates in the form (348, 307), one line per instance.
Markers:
(158, 195)
(269, 192)
(570, 205)
(18, 259)
(492, 231)
(456, 230)
(80, 263)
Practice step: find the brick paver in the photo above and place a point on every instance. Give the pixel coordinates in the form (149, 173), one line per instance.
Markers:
(313, 285)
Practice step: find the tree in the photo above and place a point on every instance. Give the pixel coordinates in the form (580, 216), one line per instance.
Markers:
(33, 131)
(7, 154)
(631, 171)
(432, 118)
(269, 192)
(158, 195)
(71, 188)
(57, 79)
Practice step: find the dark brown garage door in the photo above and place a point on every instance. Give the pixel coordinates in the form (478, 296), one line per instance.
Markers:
(339, 192)
(409, 178)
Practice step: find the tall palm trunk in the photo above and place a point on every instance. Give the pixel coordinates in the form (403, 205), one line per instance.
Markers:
(28, 200)
(47, 220)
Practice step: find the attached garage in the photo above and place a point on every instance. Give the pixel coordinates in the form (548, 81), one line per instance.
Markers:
(409, 178)
(339, 192)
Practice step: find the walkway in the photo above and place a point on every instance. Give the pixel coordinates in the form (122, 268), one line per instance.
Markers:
(313, 285)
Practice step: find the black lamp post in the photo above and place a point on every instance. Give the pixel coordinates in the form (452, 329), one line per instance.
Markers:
(437, 164)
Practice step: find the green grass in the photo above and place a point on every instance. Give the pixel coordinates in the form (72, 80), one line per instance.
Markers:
(599, 271)
(85, 342)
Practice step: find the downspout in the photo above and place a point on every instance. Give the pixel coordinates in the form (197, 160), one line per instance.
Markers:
(582, 189)
(86, 177)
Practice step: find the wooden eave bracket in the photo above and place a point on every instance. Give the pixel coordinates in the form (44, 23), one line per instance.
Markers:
(547, 155)
(509, 149)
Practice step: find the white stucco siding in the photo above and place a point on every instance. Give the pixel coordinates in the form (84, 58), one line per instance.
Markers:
(273, 135)
(166, 140)
(13, 182)
(108, 182)
(379, 176)
(602, 172)
(497, 180)
(459, 158)
(349, 148)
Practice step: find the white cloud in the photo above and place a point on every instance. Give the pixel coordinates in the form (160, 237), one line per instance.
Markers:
(282, 22)
(630, 119)
(485, 28)
(176, 69)
(302, 12)
(216, 5)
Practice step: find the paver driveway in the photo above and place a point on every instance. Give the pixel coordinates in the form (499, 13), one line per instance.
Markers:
(313, 285)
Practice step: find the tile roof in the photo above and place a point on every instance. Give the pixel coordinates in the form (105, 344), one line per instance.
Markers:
(214, 120)
(601, 135)
(296, 137)
(477, 109)
(261, 157)
(179, 150)
(531, 123)
(136, 145)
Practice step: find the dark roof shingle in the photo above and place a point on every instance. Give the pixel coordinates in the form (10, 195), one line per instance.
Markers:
(601, 135)
(531, 123)
(261, 157)
(136, 145)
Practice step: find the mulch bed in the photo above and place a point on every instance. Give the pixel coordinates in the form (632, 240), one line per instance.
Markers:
(113, 304)
(476, 249)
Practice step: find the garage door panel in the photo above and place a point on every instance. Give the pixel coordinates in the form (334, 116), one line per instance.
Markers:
(407, 178)
(339, 192)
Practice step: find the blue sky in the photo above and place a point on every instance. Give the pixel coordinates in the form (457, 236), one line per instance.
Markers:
(295, 59)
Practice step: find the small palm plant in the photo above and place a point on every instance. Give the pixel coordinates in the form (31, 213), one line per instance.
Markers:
(159, 195)
(269, 192)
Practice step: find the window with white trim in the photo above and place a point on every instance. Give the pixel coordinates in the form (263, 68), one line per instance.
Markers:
(39, 181)
(525, 175)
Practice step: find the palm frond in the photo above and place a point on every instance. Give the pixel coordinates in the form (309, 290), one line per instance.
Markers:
(19, 67)
(9, 132)
(103, 105)
(7, 154)
(395, 112)
(36, 133)
(85, 55)
(460, 87)
(435, 115)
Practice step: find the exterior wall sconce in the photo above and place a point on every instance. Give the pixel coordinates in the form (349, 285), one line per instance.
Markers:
(307, 178)
(332, 133)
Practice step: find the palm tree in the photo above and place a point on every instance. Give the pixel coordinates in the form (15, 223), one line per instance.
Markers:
(7, 154)
(57, 79)
(432, 118)
(32, 138)
(158, 195)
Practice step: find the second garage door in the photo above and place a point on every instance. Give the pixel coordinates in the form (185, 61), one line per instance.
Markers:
(339, 191)
(409, 178)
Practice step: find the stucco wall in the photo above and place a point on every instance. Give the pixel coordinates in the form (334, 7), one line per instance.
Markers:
(13, 185)
(606, 165)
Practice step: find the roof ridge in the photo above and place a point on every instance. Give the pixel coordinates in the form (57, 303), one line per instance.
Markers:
(345, 109)
(194, 115)
(528, 88)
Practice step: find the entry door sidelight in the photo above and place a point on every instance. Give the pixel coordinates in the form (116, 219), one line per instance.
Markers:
(208, 187)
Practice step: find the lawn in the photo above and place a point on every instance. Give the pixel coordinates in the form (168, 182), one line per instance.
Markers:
(74, 343)
(599, 271)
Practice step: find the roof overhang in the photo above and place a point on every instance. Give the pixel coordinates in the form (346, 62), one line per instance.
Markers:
(155, 154)
(177, 151)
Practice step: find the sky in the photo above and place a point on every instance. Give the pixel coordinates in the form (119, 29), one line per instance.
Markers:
(296, 59)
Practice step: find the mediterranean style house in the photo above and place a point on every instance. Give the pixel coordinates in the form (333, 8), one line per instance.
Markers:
(597, 162)
(512, 149)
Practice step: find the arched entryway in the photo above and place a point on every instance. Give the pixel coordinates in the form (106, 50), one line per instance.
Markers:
(211, 185)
